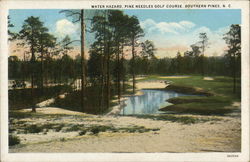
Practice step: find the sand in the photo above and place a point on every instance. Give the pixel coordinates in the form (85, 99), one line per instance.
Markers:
(208, 78)
(152, 84)
(212, 136)
(165, 77)
(53, 110)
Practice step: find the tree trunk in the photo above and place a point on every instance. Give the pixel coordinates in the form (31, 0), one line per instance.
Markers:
(133, 63)
(118, 75)
(202, 59)
(102, 83)
(83, 75)
(103, 79)
(42, 69)
(24, 70)
(46, 73)
(123, 72)
(32, 73)
(108, 76)
(234, 73)
(32, 78)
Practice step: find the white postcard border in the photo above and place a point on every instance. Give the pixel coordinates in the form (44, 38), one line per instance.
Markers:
(5, 156)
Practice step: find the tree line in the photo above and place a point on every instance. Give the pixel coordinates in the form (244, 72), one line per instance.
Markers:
(115, 55)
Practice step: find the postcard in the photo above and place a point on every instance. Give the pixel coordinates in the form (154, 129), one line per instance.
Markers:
(124, 81)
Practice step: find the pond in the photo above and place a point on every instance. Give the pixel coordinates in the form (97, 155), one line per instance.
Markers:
(149, 103)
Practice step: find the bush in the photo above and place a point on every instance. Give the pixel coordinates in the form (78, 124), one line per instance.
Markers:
(95, 130)
(33, 129)
(75, 128)
(83, 132)
(13, 140)
(58, 127)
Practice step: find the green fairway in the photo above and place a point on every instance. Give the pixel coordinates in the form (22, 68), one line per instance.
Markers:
(217, 94)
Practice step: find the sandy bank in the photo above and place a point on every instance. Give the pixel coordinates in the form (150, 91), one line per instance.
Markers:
(220, 133)
(53, 110)
(150, 84)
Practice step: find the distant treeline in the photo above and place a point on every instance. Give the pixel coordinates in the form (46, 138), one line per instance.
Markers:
(66, 69)
(54, 70)
(215, 65)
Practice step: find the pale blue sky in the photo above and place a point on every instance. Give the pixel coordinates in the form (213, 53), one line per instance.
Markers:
(171, 30)
(211, 18)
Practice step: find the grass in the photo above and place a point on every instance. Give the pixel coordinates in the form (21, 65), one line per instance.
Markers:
(173, 118)
(24, 126)
(74, 128)
(189, 90)
(21, 115)
(36, 128)
(59, 127)
(139, 129)
(218, 94)
(96, 129)
(200, 108)
(33, 129)
(220, 84)
(201, 99)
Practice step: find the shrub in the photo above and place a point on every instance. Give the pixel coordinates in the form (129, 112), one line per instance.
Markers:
(95, 130)
(62, 139)
(13, 140)
(83, 132)
(74, 128)
(58, 127)
(33, 129)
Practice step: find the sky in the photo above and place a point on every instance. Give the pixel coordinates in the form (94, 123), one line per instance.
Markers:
(170, 30)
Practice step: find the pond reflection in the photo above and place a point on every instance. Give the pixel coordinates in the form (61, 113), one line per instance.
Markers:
(149, 103)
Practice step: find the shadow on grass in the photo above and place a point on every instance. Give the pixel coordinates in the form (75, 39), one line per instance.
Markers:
(173, 118)
(21, 98)
(200, 108)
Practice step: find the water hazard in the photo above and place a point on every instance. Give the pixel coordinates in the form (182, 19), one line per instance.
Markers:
(149, 103)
